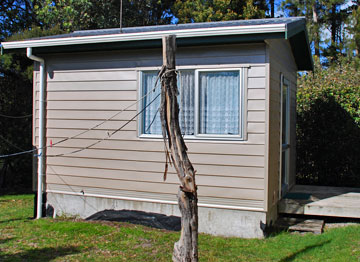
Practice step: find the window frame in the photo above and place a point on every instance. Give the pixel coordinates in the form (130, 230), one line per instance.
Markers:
(196, 136)
(141, 116)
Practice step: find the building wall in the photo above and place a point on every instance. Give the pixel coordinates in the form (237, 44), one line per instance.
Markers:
(281, 61)
(85, 89)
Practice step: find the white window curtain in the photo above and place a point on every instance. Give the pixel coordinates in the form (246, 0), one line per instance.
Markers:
(219, 102)
(186, 100)
(151, 115)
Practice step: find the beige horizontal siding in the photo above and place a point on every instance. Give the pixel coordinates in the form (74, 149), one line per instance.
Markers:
(90, 96)
(256, 128)
(256, 116)
(151, 145)
(201, 180)
(256, 71)
(254, 83)
(235, 160)
(256, 105)
(125, 85)
(256, 93)
(83, 91)
(88, 115)
(155, 187)
(82, 76)
(256, 139)
(90, 105)
(111, 125)
(148, 166)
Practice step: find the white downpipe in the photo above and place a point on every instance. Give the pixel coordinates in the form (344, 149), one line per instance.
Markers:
(41, 148)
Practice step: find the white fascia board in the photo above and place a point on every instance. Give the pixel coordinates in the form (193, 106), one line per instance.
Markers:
(197, 32)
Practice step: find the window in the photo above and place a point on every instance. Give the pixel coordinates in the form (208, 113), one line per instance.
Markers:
(151, 116)
(210, 103)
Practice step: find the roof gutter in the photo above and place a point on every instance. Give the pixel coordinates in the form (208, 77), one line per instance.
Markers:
(186, 33)
(41, 148)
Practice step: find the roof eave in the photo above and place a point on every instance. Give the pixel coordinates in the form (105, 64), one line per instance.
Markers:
(187, 33)
(147, 44)
(296, 33)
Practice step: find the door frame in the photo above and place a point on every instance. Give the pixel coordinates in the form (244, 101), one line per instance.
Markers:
(284, 147)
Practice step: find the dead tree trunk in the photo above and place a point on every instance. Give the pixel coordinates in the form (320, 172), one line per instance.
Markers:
(186, 249)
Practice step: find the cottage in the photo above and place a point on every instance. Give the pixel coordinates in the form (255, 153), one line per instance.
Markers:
(96, 121)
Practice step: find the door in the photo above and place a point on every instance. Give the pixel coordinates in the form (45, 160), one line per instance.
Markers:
(285, 135)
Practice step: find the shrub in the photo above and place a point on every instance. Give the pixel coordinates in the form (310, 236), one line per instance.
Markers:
(328, 125)
(15, 134)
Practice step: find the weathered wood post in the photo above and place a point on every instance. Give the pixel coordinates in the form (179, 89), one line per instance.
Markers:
(186, 249)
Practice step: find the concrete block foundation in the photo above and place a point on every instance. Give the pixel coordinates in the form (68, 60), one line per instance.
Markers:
(214, 221)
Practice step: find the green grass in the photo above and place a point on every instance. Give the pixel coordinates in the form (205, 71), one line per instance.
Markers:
(24, 239)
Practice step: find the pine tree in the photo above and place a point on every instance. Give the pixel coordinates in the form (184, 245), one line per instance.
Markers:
(331, 24)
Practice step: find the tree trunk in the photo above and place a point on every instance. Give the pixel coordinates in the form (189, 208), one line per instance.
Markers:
(316, 29)
(186, 249)
(333, 25)
(272, 8)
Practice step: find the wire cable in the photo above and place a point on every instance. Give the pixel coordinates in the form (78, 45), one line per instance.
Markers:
(92, 128)
(11, 144)
(15, 146)
(18, 153)
(110, 135)
(15, 117)
(152, 121)
(108, 119)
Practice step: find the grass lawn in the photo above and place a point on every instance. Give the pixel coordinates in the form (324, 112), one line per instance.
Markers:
(24, 239)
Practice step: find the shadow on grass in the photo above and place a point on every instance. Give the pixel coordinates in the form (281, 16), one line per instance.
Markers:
(3, 241)
(293, 256)
(148, 219)
(16, 191)
(16, 219)
(41, 254)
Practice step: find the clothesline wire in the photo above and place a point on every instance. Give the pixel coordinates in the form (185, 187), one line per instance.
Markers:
(110, 135)
(15, 117)
(11, 144)
(101, 123)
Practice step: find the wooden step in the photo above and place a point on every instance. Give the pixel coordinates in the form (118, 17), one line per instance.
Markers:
(315, 226)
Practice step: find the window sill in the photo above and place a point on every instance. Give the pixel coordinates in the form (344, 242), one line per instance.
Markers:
(215, 138)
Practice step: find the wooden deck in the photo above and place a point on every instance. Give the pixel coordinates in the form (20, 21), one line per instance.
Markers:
(322, 201)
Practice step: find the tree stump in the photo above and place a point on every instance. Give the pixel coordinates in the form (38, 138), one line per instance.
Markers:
(186, 249)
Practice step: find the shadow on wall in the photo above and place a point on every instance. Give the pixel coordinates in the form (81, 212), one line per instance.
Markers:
(328, 146)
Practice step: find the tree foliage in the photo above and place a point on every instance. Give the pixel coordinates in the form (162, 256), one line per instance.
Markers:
(70, 15)
(15, 16)
(66, 14)
(353, 28)
(15, 135)
(188, 11)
